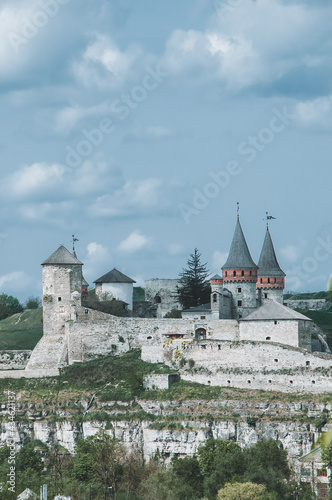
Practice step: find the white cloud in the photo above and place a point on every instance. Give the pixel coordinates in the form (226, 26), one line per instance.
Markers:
(103, 64)
(16, 280)
(32, 179)
(135, 241)
(315, 112)
(133, 197)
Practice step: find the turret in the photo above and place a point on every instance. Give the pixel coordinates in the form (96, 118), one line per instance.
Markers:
(270, 277)
(62, 290)
(240, 275)
(216, 296)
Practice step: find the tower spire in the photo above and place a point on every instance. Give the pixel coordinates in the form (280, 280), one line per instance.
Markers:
(238, 210)
(74, 241)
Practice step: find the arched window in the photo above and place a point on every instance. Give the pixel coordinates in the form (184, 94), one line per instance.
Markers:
(157, 299)
(215, 297)
(234, 274)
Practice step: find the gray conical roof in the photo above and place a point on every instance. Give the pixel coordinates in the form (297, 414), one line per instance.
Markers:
(61, 256)
(239, 256)
(268, 264)
(114, 276)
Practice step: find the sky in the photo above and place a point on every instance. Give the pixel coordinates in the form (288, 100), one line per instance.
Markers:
(138, 125)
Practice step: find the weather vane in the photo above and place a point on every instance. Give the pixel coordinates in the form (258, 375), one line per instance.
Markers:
(268, 217)
(74, 241)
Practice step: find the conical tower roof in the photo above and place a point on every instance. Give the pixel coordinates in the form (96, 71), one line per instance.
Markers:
(239, 256)
(62, 256)
(268, 264)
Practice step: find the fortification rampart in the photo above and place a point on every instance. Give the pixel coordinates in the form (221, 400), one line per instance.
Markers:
(14, 360)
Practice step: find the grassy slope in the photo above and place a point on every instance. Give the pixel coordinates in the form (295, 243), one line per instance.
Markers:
(21, 331)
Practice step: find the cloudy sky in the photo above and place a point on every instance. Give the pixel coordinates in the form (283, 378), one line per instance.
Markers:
(138, 126)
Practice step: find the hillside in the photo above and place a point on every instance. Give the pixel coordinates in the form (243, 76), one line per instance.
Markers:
(22, 330)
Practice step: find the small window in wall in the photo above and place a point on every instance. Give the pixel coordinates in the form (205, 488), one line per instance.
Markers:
(313, 381)
(249, 381)
(240, 316)
(209, 381)
(239, 303)
(261, 280)
(157, 299)
(59, 299)
(225, 274)
(291, 381)
(239, 290)
(242, 273)
(86, 311)
(215, 297)
(250, 274)
(267, 338)
(219, 347)
(265, 295)
(270, 381)
(276, 360)
(268, 280)
(204, 346)
(275, 280)
(149, 338)
(276, 322)
(202, 317)
(228, 381)
(234, 274)
(307, 363)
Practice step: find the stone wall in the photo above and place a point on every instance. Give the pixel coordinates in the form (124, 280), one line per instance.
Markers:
(311, 304)
(14, 360)
(281, 331)
(161, 292)
(159, 381)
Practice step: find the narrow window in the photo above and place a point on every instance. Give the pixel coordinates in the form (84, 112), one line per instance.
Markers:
(250, 274)
(261, 280)
(219, 347)
(228, 381)
(214, 297)
(239, 303)
(86, 311)
(265, 295)
(276, 322)
(242, 273)
(291, 381)
(234, 274)
(268, 280)
(275, 280)
(249, 381)
(239, 290)
(276, 360)
(313, 381)
(270, 381)
(225, 274)
(59, 299)
(307, 363)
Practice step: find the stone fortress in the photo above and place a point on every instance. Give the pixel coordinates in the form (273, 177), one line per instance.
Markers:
(245, 337)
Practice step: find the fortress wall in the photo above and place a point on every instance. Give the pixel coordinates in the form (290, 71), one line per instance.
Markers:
(293, 382)
(282, 331)
(311, 304)
(251, 355)
(16, 360)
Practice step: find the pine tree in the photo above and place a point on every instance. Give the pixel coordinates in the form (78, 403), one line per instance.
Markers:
(194, 288)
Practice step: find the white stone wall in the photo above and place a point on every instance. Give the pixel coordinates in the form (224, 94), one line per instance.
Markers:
(311, 304)
(166, 290)
(281, 331)
(249, 355)
(120, 291)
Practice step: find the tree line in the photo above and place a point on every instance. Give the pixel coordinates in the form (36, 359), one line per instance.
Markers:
(103, 469)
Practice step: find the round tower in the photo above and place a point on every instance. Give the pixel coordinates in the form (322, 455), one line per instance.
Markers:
(62, 290)
(216, 296)
(240, 275)
(270, 277)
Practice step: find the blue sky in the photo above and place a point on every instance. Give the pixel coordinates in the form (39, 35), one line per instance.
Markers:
(138, 126)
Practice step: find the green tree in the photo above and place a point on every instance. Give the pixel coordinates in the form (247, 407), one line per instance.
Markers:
(194, 288)
(187, 469)
(9, 305)
(327, 458)
(33, 303)
(102, 458)
(242, 491)
(266, 463)
(220, 462)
